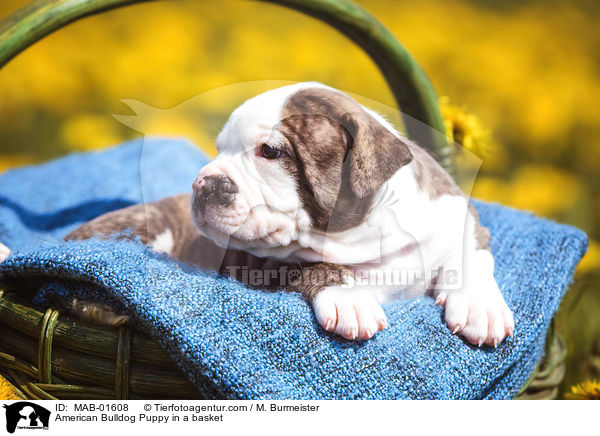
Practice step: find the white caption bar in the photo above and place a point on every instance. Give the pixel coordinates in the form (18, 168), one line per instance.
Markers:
(299, 417)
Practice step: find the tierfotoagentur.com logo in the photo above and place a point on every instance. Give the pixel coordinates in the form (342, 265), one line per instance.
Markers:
(26, 415)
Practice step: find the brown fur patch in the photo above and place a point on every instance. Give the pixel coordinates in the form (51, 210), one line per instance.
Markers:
(145, 221)
(482, 234)
(314, 278)
(431, 177)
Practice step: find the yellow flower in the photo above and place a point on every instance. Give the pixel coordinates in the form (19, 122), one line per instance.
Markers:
(589, 390)
(464, 129)
(7, 391)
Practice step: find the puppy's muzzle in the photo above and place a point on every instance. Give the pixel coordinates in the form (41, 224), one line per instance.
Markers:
(214, 191)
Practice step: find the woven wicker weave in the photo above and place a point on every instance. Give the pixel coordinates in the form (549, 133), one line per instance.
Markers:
(50, 356)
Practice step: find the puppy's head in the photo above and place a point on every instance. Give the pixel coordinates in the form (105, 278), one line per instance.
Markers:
(302, 158)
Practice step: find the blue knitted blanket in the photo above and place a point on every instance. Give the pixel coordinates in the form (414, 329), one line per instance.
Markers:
(238, 343)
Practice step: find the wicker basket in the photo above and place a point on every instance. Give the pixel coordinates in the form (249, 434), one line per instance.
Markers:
(545, 381)
(51, 357)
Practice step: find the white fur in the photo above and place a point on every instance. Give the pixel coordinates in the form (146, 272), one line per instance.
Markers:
(163, 243)
(405, 231)
(353, 313)
(4, 252)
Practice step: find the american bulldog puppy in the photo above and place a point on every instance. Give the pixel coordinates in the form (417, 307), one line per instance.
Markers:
(308, 180)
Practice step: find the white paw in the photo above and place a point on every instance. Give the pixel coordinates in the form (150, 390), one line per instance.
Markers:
(481, 318)
(4, 252)
(352, 314)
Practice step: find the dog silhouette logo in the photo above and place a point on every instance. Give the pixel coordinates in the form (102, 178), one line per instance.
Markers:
(24, 414)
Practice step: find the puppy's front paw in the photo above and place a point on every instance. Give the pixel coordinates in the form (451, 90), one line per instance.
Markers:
(4, 252)
(352, 314)
(482, 318)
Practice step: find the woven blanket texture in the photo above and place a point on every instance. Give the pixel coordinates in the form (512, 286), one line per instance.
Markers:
(238, 343)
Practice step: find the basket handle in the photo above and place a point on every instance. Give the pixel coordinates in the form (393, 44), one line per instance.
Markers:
(409, 84)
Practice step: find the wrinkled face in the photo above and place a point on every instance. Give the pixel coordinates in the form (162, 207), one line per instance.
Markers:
(293, 161)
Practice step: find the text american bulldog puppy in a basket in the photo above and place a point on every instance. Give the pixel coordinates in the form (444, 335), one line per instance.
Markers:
(309, 181)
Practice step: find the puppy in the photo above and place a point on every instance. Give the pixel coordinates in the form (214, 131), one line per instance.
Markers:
(308, 180)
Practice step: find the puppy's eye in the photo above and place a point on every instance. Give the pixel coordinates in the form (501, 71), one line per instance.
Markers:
(269, 152)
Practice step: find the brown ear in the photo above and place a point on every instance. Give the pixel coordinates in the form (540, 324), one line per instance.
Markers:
(375, 154)
(320, 146)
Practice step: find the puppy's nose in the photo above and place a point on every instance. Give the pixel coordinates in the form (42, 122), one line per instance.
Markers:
(198, 184)
(215, 190)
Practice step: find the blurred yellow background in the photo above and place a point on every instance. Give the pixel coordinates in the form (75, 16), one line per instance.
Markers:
(527, 72)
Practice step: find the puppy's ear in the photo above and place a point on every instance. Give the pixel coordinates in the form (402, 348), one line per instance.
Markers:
(374, 155)
(320, 146)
